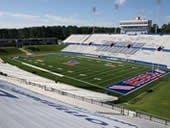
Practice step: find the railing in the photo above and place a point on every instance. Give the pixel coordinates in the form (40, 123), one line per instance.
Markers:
(119, 109)
(122, 110)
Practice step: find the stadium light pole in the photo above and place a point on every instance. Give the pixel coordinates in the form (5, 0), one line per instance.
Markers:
(157, 17)
(156, 26)
(116, 7)
(94, 13)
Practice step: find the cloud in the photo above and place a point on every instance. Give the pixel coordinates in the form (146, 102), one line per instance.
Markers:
(20, 20)
(141, 11)
(18, 15)
(1, 14)
(25, 16)
(60, 20)
(120, 2)
(64, 20)
(168, 17)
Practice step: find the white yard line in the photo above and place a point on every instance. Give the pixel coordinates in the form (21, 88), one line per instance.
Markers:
(60, 75)
(42, 69)
(84, 82)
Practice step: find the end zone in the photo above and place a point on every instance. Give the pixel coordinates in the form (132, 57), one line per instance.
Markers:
(131, 84)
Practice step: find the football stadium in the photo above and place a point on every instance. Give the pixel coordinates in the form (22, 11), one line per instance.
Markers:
(105, 78)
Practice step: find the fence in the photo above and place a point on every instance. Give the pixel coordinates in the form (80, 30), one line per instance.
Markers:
(122, 110)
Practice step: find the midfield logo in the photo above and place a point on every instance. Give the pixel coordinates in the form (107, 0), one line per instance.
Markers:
(71, 62)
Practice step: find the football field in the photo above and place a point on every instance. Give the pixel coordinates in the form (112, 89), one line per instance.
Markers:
(90, 71)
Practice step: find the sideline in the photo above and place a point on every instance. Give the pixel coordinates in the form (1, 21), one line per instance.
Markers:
(42, 69)
(60, 75)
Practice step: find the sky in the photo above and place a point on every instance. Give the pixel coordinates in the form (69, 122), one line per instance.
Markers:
(107, 13)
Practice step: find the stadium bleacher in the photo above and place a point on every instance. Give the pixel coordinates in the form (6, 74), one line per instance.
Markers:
(76, 38)
(149, 49)
(14, 73)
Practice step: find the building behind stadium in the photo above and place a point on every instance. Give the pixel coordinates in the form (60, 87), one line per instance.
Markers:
(136, 26)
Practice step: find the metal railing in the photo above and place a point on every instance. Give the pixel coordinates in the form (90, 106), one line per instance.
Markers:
(121, 110)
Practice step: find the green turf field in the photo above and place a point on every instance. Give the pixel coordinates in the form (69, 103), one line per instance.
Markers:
(90, 71)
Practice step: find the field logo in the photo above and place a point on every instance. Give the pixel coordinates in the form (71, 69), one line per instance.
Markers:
(133, 83)
(71, 62)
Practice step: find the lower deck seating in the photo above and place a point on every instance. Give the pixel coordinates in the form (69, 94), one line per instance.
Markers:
(14, 73)
(138, 54)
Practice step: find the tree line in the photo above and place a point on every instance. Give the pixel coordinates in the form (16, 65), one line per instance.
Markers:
(61, 32)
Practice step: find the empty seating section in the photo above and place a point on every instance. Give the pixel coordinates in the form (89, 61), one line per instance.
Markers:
(152, 56)
(76, 38)
(14, 74)
(150, 41)
(122, 50)
(149, 48)
(81, 49)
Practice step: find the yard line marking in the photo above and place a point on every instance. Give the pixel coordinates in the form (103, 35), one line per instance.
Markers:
(121, 65)
(97, 78)
(70, 71)
(60, 68)
(119, 76)
(92, 74)
(42, 64)
(86, 82)
(57, 74)
(82, 75)
(50, 66)
(42, 69)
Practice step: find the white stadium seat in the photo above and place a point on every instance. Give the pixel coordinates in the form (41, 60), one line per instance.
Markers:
(143, 47)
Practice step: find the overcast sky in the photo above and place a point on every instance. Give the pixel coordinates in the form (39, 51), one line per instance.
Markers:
(26, 13)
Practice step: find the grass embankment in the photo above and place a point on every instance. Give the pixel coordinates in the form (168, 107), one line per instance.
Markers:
(10, 51)
(37, 49)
